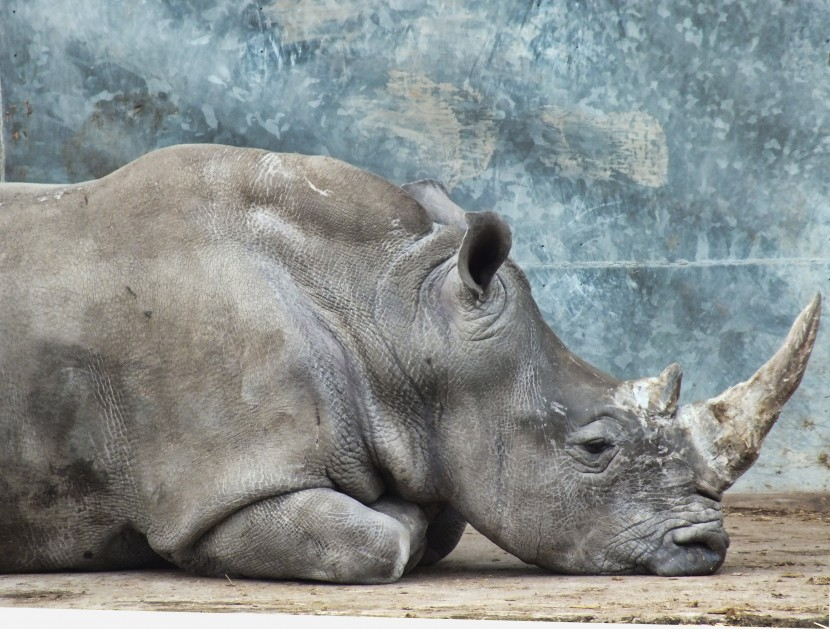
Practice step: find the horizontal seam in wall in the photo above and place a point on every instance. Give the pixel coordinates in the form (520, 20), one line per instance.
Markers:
(677, 264)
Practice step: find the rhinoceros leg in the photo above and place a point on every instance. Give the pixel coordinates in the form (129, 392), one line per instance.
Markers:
(443, 534)
(317, 534)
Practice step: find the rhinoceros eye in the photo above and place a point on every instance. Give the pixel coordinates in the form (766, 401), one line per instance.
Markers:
(597, 446)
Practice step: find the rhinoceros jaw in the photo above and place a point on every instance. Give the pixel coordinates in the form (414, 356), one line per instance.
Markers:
(728, 429)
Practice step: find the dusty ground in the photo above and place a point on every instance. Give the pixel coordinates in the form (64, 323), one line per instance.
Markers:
(777, 573)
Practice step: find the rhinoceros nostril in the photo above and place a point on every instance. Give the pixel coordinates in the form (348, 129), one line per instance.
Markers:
(691, 550)
(703, 550)
(711, 537)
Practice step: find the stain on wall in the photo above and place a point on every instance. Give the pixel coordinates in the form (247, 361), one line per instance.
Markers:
(663, 163)
(589, 144)
(431, 124)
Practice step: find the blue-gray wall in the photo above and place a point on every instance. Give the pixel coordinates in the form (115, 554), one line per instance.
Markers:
(664, 164)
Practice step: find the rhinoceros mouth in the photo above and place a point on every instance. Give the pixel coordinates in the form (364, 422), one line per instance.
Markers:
(693, 550)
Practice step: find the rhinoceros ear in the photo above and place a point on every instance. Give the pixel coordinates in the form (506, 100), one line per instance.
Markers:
(484, 249)
(434, 198)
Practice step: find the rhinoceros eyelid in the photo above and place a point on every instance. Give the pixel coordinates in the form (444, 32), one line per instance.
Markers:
(612, 413)
(602, 425)
(593, 456)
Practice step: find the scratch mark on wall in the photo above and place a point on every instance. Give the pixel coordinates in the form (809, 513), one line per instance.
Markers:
(322, 193)
(586, 143)
(677, 264)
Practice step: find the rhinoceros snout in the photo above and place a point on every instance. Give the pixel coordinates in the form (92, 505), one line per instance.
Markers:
(691, 551)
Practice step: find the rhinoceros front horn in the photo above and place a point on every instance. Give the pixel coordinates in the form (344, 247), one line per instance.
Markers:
(727, 430)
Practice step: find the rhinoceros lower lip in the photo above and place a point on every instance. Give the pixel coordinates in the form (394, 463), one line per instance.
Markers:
(691, 551)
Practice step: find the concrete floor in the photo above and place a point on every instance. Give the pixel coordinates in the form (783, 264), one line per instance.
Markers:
(777, 573)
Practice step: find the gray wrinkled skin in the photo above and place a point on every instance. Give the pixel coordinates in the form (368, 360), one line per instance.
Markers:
(281, 366)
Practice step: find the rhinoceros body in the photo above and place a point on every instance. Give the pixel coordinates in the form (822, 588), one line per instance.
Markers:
(282, 366)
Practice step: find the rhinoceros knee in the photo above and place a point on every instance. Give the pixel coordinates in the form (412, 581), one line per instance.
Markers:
(317, 534)
(385, 562)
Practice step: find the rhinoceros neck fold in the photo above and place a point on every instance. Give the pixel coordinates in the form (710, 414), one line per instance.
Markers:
(406, 377)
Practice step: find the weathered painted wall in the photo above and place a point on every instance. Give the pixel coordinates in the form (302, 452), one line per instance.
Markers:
(663, 163)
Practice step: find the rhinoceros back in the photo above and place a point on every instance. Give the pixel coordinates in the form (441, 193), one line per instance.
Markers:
(177, 325)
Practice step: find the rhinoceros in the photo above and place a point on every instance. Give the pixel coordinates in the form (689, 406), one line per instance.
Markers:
(281, 366)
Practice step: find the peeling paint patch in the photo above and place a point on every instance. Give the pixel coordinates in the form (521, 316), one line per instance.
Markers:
(308, 20)
(210, 116)
(586, 143)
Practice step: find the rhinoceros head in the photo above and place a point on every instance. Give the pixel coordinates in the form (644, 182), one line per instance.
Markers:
(565, 466)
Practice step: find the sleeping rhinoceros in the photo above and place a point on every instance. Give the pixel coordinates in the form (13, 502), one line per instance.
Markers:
(281, 366)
